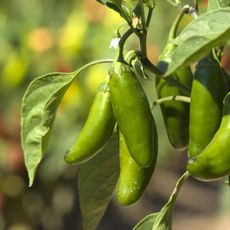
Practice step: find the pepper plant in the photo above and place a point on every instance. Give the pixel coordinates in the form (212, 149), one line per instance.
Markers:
(119, 142)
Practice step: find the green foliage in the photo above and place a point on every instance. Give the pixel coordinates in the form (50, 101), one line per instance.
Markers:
(124, 8)
(98, 176)
(156, 221)
(39, 106)
(128, 8)
(96, 182)
(199, 37)
(162, 220)
(216, 4)
(38, 112)
(147, 222)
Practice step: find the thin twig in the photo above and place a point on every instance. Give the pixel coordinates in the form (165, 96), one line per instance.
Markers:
(153, 69)
(177, 188)
(149, 16)
(171, 98)
(142, 15)
(90, 64)
(122, 43)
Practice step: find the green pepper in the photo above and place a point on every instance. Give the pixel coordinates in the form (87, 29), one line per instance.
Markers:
(206, 104)
(214, 161)
(133, 178)
(97, 129)
(133, 114)
(175, 113)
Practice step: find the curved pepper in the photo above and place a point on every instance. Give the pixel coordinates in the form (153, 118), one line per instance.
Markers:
(133, 114)
(175, 113)
(206, 104)
(214, 161)
(97, 129)
(133, 179)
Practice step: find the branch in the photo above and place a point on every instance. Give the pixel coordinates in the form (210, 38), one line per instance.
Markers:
(84, 67)
(153, 69)
(177, 188)
(122, 43)
(171, 98)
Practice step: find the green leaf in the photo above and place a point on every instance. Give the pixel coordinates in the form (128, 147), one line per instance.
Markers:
(206, 32)
(124, 8)
(157, 221)
(38, 111)
(127, 8)
(147, 222)
(112, 5)
(217, 4)
(150, 3)
(97, 179)
(164, 219)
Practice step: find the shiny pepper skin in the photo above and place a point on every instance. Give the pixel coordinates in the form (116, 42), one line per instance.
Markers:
(133, 178)
(97, 129)
(133, 114)
(206, 104)
(214, 161)
(175, 113)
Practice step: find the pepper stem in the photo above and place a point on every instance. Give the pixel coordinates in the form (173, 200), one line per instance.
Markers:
(90, 64)
(122, 41)
(174, 27)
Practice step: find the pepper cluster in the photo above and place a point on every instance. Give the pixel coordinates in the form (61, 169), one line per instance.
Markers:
(209, 127)
(121, 99)
(203, 127)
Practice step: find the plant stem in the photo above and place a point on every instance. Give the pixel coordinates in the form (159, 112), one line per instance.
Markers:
(173, 29)
(154, 70)
(142, 35)
(90, 64)
(125, 36)
(142, 15)
(143, 41)
(171, 98)
(177, 188)
(149, 16)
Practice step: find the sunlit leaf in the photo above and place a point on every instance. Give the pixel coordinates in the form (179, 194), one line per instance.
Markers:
(157, 221)
(217, 4)
(206, 32)
(124, 8)
(164, 219)
(97, 179)
(127, 8)
(147, 222)
(39, 105)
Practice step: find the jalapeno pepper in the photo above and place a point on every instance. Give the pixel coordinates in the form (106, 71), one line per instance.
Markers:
(207, 94)
(175, 113)
(133, 114)
(133, 179)
(214, 161)
(97, 129)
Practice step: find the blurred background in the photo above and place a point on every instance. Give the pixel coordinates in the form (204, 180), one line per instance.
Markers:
(37, 37)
